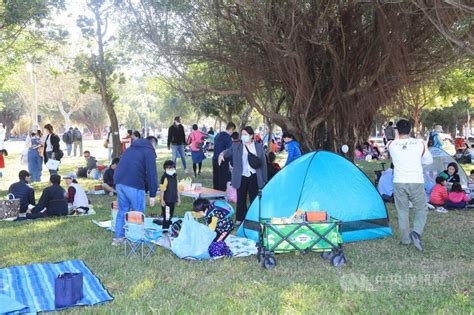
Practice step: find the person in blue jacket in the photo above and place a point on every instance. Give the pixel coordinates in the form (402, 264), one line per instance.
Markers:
(23, 191)
(135, 171)
(292, 146)
(221, 173)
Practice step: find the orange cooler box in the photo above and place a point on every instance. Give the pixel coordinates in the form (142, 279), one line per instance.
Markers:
(316, 216)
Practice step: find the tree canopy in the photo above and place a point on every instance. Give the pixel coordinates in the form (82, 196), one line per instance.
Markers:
(319, 69)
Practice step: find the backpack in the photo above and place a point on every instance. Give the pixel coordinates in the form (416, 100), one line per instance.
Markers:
(431, 139)
(77, 134)
(222, 204)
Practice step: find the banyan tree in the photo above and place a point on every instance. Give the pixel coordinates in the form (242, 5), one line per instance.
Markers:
(318, 68)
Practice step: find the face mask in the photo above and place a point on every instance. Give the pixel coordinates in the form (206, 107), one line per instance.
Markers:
(171, 171)
(245, 138)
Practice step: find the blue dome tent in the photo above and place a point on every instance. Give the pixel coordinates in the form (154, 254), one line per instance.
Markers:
(323, 181)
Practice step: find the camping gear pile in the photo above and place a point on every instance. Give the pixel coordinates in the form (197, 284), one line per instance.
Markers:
(303, 232)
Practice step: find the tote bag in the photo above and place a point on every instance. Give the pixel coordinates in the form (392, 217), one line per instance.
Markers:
(193, 240)
(68, 289)
(52, 164)
(9, 208)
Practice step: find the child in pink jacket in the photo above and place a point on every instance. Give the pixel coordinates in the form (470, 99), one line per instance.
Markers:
(457, 198)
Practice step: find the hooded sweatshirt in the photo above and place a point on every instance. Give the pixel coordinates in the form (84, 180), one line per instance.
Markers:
(294, 151)
(138, 165)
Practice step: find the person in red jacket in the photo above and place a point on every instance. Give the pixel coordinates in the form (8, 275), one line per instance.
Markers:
(439, 194)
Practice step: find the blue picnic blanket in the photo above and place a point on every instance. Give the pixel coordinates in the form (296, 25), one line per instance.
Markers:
(32, 287)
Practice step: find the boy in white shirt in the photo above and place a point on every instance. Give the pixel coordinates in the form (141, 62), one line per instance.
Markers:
(408, 154)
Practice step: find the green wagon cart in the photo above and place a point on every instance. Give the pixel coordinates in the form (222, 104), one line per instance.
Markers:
(303, 237)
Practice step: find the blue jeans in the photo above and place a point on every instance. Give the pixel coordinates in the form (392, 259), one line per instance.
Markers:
(111, 150)
(69, 148)
(178, 149)
(129, 198)
(51, 172)
(35, 165)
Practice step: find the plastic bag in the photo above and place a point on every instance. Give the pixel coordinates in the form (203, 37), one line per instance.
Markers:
(231, 193)
(193, 240)
(52, 164)
(185, 184)
(24, 157)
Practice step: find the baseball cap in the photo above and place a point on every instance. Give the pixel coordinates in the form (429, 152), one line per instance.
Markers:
(70, 176)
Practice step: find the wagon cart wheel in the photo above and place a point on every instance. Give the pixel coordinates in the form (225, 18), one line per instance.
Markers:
(338, 260)
(327, 255)
(269, 262)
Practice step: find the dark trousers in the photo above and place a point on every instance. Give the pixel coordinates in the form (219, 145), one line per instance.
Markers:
(220, 175)
(248, 187)
(38, 215)
(167, 220)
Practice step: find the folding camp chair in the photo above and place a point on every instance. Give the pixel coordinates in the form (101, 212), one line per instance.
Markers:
(138, 236)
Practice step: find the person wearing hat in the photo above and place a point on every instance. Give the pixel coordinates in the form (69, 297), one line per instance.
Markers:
(169, 194)
(23, 191)
(177, 141)
(35, 160)
(51, 203)
(78, 203)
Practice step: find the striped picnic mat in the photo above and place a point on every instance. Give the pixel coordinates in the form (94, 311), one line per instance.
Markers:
(33, 285)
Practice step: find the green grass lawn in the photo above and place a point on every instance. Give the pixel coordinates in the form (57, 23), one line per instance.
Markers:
(380, 277)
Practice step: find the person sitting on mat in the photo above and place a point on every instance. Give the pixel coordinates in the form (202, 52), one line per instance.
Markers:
(451, 174)
(219, 220)
(169, 193)
(51, 203)
(385, 185)
(439, 194)
(78, 203)
(108, 179)
(457, 197)
(272, 166)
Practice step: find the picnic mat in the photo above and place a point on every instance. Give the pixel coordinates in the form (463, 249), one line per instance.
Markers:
(240, 246)
(30, 288)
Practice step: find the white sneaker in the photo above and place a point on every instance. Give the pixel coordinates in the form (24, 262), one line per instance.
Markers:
(430, 206)
(186, 171)
(441, 210)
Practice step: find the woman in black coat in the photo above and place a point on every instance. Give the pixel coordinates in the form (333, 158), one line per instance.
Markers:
(245, 178)
(51, 147)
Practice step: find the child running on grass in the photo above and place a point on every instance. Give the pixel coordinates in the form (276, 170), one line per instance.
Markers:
(219, 219)
(169, 194)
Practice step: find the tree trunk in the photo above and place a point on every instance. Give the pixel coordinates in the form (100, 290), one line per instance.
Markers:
(269, 125)
(416, 123)
(106, 97)
(66, 115)
(245, 118)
